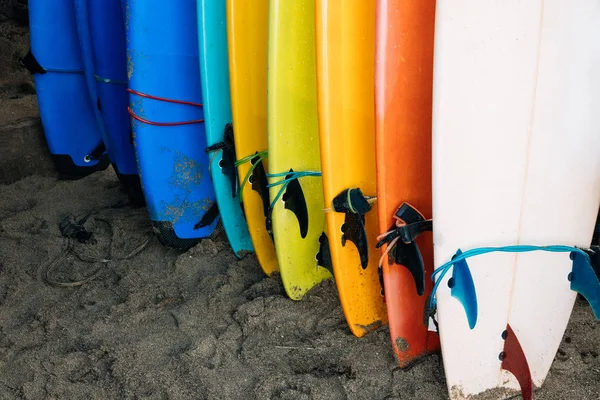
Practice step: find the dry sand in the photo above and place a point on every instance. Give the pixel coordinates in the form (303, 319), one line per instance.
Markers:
(195, 325)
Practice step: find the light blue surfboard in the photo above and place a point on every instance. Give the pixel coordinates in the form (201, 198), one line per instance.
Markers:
(214, 67)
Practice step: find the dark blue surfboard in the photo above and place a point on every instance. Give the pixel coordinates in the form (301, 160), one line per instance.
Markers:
(67, 112)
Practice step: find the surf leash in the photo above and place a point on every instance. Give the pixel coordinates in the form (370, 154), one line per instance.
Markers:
(254, 160)
(354, 205)
(370, 199)
(163, 99)
(72, 229)
(293, 198)
(584, 277)
(32, 65)
(110, 81)
(400, 241)
(288, 177)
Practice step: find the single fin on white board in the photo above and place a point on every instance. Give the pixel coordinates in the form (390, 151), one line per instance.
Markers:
(585, 278)
(463, 289)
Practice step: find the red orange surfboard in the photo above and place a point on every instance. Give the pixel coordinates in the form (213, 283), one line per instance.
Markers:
(403, 104)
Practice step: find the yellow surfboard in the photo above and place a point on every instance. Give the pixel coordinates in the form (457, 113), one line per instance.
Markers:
(298, 218)
(345, 68)
(247, 33)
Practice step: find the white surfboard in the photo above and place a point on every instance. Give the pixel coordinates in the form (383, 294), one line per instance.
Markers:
(516, 160)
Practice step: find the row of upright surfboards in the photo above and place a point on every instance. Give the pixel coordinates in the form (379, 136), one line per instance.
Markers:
(326, 135)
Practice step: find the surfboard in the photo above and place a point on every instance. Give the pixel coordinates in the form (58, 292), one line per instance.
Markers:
(293, 132)
(248, 33)
(516, 161)
(214, 77)
(403, 91)
(67, 113)
(102, 40)
(165, 103)
(345, 70)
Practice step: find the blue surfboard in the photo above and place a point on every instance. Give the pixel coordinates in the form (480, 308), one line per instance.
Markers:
(101, 30)
(67, 112)
(168, 120)
(214, 66)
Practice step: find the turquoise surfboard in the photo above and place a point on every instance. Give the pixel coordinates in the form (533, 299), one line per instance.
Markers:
(214, 67)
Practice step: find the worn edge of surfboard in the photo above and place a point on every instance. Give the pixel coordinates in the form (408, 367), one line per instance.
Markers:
(347, 138)
(247, 28)
(294, 141)
(403, 99)
(176, 203)
(214, 75)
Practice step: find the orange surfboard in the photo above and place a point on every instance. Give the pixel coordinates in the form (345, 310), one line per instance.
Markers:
(345, 62)
(403, 107)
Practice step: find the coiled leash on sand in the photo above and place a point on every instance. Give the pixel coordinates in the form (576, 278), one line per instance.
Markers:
(72, 229)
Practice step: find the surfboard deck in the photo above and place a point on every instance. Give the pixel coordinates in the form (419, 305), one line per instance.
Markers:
(516, 160)
(248, 33)
(214, 66)
(403, 97)
(293, 134)
(66, 111)
(162, 62)
(345, 69)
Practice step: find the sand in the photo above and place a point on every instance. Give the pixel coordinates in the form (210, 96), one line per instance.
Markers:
(166, 324)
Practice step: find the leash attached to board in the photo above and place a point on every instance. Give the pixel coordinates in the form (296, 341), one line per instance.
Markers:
(354, 204)
(401, 242)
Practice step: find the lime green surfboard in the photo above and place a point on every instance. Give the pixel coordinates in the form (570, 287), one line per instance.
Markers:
(298, 219)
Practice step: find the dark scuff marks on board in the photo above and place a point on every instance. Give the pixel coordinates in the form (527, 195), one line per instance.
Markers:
(402, 344)
(371, 327)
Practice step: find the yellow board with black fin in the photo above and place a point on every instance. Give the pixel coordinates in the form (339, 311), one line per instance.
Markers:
(345, 67)
(247, 31)
(294, 143)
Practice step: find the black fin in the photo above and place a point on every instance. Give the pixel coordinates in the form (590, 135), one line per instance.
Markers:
(355, 205)
(31, 64)
(294, 200)
(406, 251)
(208, 217)
(409, 255)
(259, 182)
(324, 254)
(227, 162)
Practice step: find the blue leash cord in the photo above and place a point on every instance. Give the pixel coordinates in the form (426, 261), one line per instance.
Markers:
(286, 181)
(443, 270)
(254, 160)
